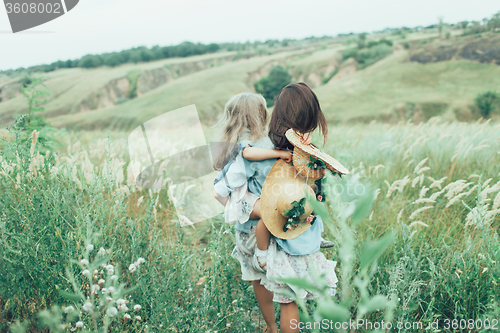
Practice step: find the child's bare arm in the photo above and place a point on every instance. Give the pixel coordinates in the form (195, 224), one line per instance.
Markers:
(259, 154)
(222, 200)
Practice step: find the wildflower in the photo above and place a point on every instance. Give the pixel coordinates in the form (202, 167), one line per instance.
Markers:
(123, 308)
(101, 281)
(418, 223)
(137, 307)
(108, 251)
(87, 306)
(96, 274)
(289, 227)
(86, 273)
(110, 269)
(138, 318)
(69, 309)
(84, 262)
(114, 277)
(109, 299)
(90, 247)
(120, 301)
(320, 197)
(126, 316)
(101, 251)
(79, 324)
(95, 288)
(141, 260)
(423, 200)
(112, 311)
(415, 213)
(111, 289)
(309, 219)
(132, 267)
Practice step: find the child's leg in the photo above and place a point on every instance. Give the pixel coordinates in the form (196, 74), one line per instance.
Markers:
(261, 233)
(289, 317)
(265, 299)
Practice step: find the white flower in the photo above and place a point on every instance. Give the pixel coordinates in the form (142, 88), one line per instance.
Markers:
(101, 281)
(79, 324)
(114, 277)
(112, 311)
(123, 308)
(86, 273)
(87, 306)
(109, 299)
(84, 262)
(126, 316)
(111, 289)
(138, 317)
(95, 288)
(90, 247)
(132, 267)
(69, 309)
(137, 307)
(120, 301)
(141, 260)
(110, 269)
(101, 251)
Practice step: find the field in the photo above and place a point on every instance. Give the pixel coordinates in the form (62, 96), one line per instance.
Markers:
(83, 248)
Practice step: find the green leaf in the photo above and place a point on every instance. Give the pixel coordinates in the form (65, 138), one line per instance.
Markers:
(318, 207)
(332, 311)
(375, 303)
(374, 250)
(301, 283)
(363, 207)
(70, 296)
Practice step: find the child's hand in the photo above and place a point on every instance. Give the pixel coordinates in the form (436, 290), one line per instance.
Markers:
(286, 155)
(306, 139)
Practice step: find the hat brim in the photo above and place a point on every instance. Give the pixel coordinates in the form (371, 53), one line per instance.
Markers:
(310, 149)
(280, 175)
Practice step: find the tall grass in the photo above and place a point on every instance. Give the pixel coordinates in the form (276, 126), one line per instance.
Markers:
(440, 263)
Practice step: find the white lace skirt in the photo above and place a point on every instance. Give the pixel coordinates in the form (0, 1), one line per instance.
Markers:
(239, 209)
(283, 265)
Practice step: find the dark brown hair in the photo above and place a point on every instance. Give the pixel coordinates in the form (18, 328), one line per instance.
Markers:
(297, 107)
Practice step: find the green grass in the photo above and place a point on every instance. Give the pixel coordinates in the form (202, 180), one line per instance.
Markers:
(380, 87)
(427, 272)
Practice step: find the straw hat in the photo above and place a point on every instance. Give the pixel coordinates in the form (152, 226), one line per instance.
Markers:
(282, 187)
(303, 154)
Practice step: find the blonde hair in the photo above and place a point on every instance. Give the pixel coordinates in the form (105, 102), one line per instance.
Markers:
(245, 117)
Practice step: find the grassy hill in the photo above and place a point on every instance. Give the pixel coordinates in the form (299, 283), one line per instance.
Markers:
(101, 98)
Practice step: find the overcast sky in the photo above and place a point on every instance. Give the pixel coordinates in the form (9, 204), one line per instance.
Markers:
(97, 26)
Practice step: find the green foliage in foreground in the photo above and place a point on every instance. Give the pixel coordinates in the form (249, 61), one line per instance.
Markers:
(425, 250)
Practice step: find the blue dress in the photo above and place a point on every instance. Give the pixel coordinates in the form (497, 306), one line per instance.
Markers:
(240, 170)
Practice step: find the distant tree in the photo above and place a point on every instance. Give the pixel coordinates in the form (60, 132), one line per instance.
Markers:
(90, 61)
(213, 47)
(440, 26)
(362, 40)
(464, 25)
(485, 102)
(113, 59)
(271, 85)
(494, 22)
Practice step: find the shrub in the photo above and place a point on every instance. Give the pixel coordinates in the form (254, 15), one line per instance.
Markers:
(271, 85)
(350, 53)
(406, 45)
(374, 54)
(133, 77)
(485, 102)
(121, 100)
